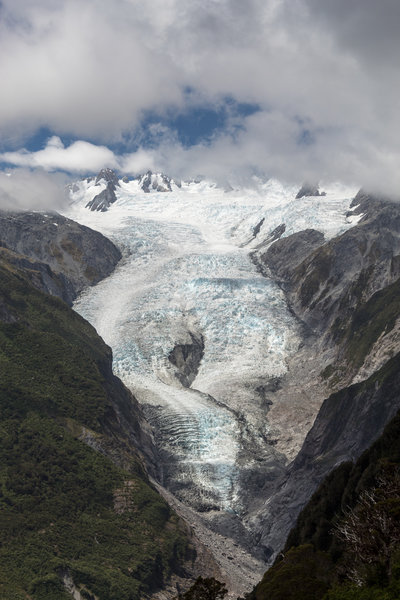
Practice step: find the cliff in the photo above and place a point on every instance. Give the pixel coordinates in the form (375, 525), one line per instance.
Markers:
(76, 255)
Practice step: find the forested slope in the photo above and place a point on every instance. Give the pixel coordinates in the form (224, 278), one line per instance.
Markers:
(77, 510)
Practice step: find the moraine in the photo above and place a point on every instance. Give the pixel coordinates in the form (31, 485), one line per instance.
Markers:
(196, 331)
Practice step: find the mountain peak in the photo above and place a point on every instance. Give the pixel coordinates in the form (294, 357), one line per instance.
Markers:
(156, 182)
(108, 175)
(309, 189)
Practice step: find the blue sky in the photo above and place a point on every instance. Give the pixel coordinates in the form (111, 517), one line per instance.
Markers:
(227, 88)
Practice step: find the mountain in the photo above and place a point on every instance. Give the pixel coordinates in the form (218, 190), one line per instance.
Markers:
(257, 332)
(66, 257)
(346, 541)
(345, 291)
(103, 188)
(79, 516)
(207, 341)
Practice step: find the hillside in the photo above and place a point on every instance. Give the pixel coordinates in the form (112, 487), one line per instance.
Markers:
(68, 257)
(345, 292)
(346, 542)
(77, 509)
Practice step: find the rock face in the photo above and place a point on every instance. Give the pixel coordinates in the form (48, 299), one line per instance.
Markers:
(333, 286)
(40, 275)
(349, 421)
(309, 189)
(103, 201)
(371, 482)
(76, 255)
(286, 254)
(106, 197)
(346, 291)
(155, 182)
(186, 358)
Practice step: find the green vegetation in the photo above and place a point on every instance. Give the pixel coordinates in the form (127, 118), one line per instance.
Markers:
(66, 511)
(303, 574)
(205, 589)
(368, 322)
(346, 542)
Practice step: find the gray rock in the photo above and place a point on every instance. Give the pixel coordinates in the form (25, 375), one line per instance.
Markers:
(285, 255)
(156, 182)
(348, 423)
(187, 358)
(337, 287)
(76, 255)
(309, 189)
(109, 176)
(106, 197)
(103, 201)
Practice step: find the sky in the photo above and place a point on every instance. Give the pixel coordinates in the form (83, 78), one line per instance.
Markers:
(293, 89)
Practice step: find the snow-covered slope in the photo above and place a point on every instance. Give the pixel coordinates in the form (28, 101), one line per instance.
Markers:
(187, 275)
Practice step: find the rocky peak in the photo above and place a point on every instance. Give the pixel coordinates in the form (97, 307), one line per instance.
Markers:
(106, 197)
(109, 176)
(309, 189)
(155, 182)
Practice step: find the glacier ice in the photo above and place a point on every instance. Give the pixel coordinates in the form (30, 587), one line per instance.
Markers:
(186, 269)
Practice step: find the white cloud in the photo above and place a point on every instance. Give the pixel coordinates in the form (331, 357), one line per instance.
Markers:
(91, 69)
(23, 189)
(78, 157)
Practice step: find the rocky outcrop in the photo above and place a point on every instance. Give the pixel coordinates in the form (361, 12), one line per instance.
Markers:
(286, 254)
(103, 201)
(77, 256)
(108, 175)
(40, 275)
(309, 189)
(337, 287)
(347, 424)
(156, 182)
(106, 197)
(187, 358)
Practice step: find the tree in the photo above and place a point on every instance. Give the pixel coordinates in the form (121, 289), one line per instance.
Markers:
(205, 589)
(371, 531)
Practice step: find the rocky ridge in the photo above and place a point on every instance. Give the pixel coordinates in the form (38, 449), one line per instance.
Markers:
(66, 256)
(149, 182)
(345, 291)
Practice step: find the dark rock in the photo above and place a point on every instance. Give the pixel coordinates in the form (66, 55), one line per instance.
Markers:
(41, 276)
(285, 255)
(327, 281)
(156, 182)
(103, 201)
(309, 189)
(277, 232)
(187, 358)
(346, 290)
(256, 229)
(106, 197)
(77, 256)
(348, 423)
(109, 176)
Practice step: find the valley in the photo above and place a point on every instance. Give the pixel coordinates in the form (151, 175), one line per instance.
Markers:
(207, 343)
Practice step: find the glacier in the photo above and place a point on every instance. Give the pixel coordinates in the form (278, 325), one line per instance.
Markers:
(187, 274)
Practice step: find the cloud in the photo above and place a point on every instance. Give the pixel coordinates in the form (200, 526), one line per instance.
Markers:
(23, 189)
(79, 157)
(324, 74)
